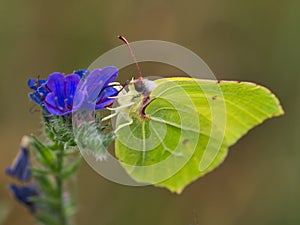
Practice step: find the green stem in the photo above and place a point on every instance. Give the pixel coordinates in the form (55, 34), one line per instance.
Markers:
(60, 186)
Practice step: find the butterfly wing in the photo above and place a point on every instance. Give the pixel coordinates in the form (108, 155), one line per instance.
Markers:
(189, 125)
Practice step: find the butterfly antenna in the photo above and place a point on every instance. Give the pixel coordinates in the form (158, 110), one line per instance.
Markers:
(132, 54)
(124, 85)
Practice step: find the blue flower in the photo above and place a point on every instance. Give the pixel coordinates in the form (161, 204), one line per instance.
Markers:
(96, 87)
(56, 94)
(59, 100)
(40, 92)
(20, 168)
(24, 193)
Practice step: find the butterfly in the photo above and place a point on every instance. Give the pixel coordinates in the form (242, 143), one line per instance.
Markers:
(171, 131)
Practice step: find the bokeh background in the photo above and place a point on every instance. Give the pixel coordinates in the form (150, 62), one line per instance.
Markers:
(256, 40)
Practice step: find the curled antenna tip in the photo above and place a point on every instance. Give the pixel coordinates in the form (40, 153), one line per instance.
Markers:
(132, 54)
(123, 39)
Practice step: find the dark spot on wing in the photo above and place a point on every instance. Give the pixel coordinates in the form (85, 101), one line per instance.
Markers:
(214, 97)
(185, 141)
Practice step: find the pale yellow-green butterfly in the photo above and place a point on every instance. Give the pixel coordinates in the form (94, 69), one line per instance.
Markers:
(172, 131)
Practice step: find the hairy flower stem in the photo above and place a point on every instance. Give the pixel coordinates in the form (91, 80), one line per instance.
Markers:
(60, 186)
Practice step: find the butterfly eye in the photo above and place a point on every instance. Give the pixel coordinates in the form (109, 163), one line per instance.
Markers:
(139, 86)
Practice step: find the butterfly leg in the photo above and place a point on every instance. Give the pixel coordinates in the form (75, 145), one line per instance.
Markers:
(109, 117)
(123, 125)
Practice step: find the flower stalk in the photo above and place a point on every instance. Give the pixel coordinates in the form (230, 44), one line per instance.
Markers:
(60, 186)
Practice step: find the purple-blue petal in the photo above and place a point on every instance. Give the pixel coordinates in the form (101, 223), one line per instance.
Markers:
(55, 81)
(77, 100)
(82, 73)
(34, 83)
(63, 89)
(23, 194)
(98, 79)
(20, 166)
(35, 97)
(56, 84)
(40, 92)
(104, 99)
(43, 91)
(71, 82)
(105, 103)
(108, 92)
(51, 103)
(39, 95)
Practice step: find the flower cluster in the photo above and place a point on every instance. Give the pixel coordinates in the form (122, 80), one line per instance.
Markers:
(56, 94)
(21, 172)
(59, 96)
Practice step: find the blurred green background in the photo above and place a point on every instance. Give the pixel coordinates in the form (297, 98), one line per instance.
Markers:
(256, 40)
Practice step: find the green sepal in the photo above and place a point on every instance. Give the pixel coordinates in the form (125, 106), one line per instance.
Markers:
(51, 202)
(40, 172)
(43, 154)
(60, 129)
